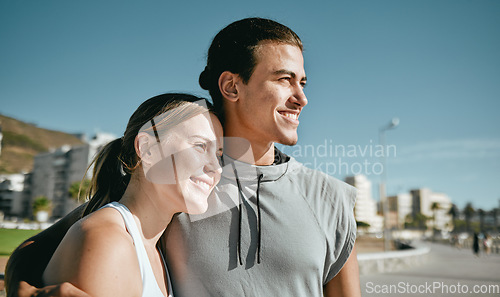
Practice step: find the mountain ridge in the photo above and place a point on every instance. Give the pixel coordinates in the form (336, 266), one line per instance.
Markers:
(22, 141)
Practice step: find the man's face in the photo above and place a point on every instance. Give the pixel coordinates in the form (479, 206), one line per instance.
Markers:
(270, 103)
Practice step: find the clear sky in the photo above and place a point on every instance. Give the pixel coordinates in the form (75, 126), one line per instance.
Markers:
(84, 66)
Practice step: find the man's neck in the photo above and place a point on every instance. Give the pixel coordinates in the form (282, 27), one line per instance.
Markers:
(252, 153)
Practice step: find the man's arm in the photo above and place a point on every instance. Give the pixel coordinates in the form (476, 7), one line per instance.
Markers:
(29, 260)
(346, 282)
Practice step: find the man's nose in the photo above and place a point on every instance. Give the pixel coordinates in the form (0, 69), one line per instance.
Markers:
(299, 97)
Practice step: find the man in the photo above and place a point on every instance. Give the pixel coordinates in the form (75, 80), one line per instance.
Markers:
(274, 227)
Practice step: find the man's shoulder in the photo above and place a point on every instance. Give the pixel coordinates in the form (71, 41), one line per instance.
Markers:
(313, 181)
(305, 173)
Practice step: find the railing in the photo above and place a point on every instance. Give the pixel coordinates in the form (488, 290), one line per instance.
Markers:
(411, 255)
(467, 244)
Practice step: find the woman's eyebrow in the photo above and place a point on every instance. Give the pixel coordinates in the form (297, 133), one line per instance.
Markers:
(201, 137)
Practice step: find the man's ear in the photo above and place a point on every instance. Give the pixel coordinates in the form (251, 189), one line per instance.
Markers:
(228, 85)
(142, 146)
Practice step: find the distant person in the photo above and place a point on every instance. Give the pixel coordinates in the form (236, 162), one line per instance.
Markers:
(475, 244)
(275, 227)
(460, 243)
(488, 242)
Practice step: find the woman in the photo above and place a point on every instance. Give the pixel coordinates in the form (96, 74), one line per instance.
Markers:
(166, 162)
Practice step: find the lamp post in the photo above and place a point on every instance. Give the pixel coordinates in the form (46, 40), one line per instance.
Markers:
(383, 198)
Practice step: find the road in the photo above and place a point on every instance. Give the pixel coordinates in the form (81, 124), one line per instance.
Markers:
(448, 272)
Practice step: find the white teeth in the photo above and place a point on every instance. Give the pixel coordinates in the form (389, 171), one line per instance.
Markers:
(203, 184)
(290, 115)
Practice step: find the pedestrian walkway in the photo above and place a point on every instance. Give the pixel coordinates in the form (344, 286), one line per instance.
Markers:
(448, 272)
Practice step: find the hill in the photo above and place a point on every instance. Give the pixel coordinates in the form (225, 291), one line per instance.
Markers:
(22, 141)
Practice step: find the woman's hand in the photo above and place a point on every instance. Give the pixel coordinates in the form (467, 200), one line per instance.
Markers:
(60, 290)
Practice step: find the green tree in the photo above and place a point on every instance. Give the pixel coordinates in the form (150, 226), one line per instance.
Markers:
(42, 207)
(41, 203)
(361, 224)
(76, 189)
(419, 221)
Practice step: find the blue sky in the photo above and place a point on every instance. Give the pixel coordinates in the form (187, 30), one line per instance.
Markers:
(84, 66)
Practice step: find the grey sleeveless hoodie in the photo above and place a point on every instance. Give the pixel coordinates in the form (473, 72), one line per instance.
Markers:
(294, 231)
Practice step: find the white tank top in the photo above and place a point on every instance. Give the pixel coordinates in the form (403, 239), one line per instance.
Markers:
(150, 287)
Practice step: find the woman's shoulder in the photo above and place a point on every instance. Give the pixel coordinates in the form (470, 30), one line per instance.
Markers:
(104, 228)
(96, 250)
(103, 219)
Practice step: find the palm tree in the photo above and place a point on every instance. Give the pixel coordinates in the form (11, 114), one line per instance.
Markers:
(453, 212)
(481, 220)
(495, 212)
(434, 208)
(469, 213)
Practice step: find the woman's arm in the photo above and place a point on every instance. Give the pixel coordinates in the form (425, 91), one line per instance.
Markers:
(29, 260)
(60, 290)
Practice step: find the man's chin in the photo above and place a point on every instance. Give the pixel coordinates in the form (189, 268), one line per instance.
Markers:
(288, 141)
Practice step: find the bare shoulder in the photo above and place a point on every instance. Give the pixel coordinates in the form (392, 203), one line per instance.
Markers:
(95, 253)
(106, 221)
(103, 229)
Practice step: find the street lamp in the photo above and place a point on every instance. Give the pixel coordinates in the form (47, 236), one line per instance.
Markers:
(383, 198)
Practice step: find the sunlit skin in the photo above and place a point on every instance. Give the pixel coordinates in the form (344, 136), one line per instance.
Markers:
(266, 109)
(98, 249)
(188, 146)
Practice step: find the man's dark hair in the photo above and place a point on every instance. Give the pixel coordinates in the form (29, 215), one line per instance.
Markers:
(233, 49)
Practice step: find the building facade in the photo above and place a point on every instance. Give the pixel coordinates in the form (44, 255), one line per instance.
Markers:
(435, 206)
(11, 194)
(400, 206)
(55, 171)
(365, 209)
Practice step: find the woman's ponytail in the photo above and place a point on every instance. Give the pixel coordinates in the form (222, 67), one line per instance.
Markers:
(109, 180)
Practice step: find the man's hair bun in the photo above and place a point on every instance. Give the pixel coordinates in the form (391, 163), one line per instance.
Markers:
(204, 79)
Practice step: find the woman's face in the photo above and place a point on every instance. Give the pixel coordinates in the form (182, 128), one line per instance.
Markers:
(184, 165)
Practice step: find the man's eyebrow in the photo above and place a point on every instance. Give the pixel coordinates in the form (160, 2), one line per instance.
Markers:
(284, 71)
(291, 73)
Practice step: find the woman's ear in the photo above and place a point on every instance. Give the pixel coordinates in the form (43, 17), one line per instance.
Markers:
(142, 146)
(228, 85)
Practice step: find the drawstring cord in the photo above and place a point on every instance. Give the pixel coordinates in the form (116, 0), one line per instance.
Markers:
(240, 200)
(258, 218)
